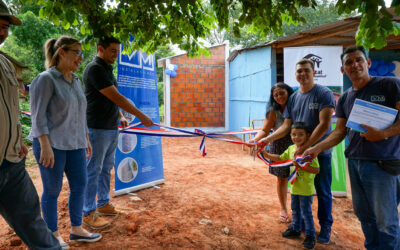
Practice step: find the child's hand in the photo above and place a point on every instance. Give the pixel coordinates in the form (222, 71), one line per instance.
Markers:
(296, 164)
(266, 154)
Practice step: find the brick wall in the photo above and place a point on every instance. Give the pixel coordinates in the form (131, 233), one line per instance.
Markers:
(198, 90)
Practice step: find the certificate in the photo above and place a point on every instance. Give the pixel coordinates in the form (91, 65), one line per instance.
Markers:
(371, 114)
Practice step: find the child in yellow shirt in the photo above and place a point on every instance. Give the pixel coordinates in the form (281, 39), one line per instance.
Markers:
(302, 189)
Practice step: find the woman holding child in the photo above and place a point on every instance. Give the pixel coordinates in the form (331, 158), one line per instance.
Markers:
(279, 96)
(59, 133)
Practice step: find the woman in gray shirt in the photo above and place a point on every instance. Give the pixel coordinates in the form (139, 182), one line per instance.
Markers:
(59, 133)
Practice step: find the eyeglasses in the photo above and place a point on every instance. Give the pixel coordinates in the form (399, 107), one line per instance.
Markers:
(77, 52)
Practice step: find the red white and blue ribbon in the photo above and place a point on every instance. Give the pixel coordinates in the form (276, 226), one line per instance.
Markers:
(176, 132)
(26, 113)
(303, 162)
(203, 142)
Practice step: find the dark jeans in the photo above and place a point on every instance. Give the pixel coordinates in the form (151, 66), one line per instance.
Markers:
(301, 211)
(19, 205)
(323, 182)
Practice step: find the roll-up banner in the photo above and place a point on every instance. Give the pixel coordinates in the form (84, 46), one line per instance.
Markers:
(138, 160)
(327, 66)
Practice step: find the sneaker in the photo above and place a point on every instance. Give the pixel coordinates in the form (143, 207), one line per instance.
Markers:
(324, 236)
(291, 233)
(309, 242)
(64, 246)
(94, 221)
(108, 209)
(92, 238)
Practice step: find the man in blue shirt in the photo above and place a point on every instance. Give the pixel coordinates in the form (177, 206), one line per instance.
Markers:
(313, 104)
(373, 156)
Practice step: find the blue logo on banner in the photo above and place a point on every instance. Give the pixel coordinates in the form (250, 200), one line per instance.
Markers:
(137, 59)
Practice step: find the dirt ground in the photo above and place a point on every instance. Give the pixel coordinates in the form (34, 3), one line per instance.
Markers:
(225, 200)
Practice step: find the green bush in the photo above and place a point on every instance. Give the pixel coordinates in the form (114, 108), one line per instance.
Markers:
(25, 120)
(160, 90)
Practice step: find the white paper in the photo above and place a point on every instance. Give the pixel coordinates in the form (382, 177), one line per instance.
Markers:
(371, 114)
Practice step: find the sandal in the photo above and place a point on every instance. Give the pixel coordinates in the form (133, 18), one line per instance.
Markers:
(284, 218)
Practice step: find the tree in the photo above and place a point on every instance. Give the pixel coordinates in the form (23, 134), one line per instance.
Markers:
(324, 12)
(162, 22)
(376, 22)
(25, 43)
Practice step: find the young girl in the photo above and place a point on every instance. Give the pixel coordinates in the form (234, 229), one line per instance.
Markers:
(302, 189)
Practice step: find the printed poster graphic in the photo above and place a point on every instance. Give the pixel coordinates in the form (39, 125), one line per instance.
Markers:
(138, 160)
(326, 60)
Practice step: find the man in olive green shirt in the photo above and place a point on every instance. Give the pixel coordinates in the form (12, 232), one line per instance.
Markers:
(19, 202)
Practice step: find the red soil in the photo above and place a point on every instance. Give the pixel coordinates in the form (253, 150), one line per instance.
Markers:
(225, 189)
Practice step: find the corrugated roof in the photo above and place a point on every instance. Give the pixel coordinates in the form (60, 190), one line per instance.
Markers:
(337, 33)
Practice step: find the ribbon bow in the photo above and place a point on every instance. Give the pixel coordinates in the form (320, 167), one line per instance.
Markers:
(303, 161)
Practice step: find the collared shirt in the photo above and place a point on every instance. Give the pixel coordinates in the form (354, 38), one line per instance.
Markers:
(102, 113)
(10, 128)
(58, 109)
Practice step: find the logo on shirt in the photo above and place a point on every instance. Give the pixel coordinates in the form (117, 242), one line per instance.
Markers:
(377, 98)
(313, 106)
(317, 63)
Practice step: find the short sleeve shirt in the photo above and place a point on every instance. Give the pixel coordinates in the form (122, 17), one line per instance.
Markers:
(101, 112)
(305, 107)
(380, 90)
(304, 183)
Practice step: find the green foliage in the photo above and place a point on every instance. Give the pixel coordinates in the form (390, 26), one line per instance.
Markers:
(161, 22)
(323, 13)
(376, 22)
(25, 43)
(147, 20)
(160, 90)
(25, 120)
(161, 110)
(163, 51)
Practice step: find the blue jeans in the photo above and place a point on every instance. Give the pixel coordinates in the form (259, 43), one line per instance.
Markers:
(375, 199)
(104, 143)
(73, 163)
(19, 206)
(301, 211)
(323, 182)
